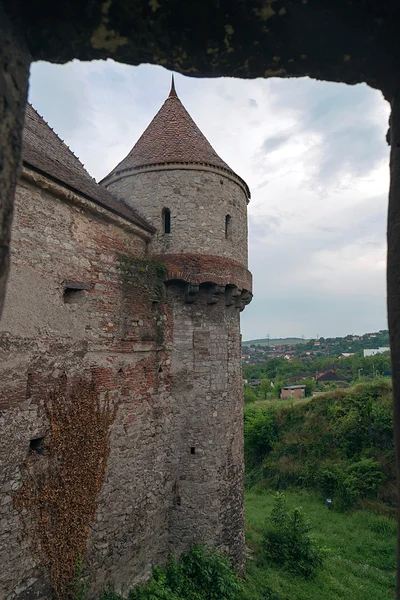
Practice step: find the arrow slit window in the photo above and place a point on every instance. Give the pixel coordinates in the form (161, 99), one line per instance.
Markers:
(166, 218)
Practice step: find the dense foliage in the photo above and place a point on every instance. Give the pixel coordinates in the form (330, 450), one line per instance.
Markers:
(200, 574)
(280, 371)
(340, 443)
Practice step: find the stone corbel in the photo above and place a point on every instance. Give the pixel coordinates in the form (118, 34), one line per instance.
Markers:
(244, 299)
(191, 293)
(232, 294)
(214, 293)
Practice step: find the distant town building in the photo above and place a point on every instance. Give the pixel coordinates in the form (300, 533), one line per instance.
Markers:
(328, 376)
(293, 391)
(346, 354)
(373, 351)
(254, 382)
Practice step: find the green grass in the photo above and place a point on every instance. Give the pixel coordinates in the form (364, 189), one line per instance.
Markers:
(360, 553)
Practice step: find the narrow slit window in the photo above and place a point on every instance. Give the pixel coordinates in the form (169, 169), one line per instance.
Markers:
(192, 450)
(228, 226)
(166, 220)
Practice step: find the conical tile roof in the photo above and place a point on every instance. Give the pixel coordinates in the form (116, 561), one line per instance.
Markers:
(171, 137)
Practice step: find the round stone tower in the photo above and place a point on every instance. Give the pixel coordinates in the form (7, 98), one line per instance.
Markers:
(175, 178)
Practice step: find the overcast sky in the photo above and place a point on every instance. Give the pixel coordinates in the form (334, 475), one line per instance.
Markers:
(313, 154)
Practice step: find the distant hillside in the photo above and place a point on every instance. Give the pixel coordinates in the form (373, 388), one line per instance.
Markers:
(276, 341)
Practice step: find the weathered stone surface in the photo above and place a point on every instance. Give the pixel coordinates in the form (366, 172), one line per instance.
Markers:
(343, 41)
(198, 210)
(393, 283)
(338, 41)
(206, 378)
(79, 301)
(112, 333)
(14, 69)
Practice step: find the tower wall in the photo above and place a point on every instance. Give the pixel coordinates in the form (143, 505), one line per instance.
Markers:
(207, 387)
(199, 201)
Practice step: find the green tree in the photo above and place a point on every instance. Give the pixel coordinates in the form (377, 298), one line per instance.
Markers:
(249, 395)
(265, 388)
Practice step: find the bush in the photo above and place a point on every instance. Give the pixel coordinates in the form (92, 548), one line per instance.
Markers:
(349, 483)
(200, 574)
(249, 395)
(363, 479)
(109, 593)
(287, 541)
(260, 434)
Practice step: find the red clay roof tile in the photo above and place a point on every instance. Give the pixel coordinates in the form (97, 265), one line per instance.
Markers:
(171, 137)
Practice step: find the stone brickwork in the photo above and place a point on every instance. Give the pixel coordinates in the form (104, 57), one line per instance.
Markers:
(153, 317)
(207, 386)
(111, 330)
(199, 201)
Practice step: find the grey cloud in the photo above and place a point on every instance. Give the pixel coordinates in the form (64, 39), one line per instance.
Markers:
(358, 149)
(274, 142)
(56, 87)
(341, 114)
(259, 228)
(253, 103)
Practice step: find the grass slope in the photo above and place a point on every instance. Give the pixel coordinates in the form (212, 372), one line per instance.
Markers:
(360, 554)
(340, 443)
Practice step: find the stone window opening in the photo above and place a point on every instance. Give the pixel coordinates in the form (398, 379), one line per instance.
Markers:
(75, 292)
(192, 450)
(37, 445)
(166, 217)
(228, 227)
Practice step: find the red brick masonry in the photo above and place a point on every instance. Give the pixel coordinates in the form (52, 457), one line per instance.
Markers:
(201, 268)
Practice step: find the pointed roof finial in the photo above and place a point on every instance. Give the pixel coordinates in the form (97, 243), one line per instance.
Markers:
(173, 93)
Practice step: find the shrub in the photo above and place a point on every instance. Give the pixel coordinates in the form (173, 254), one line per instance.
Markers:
(363, 479)
(287, 541)
(109, 593)
(249, 395)
(260, 434)
(200, 574)
(349, 483)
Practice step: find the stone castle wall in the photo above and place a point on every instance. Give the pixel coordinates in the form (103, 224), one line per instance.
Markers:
(199, 201)
(111, 331)
(75, 306)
